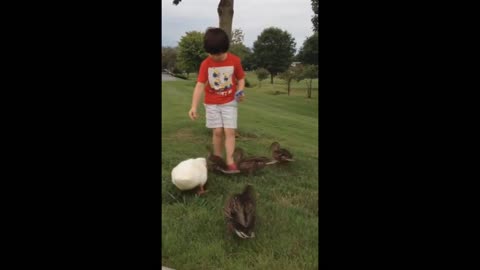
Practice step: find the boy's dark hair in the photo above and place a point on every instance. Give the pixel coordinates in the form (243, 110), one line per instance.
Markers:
(216, 41)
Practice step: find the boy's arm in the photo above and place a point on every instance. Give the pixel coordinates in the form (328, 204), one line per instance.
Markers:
(239, 73)
(241, 86)
(197, 94)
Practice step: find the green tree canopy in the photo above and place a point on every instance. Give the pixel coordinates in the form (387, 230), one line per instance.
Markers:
(274, 50)
(262, 74)
(308, 54)
(238, 48)
(191, 52)
(310, 72)
(237, 36)
(169, 58)
(292, 73)
(244, 53)
(315, 16)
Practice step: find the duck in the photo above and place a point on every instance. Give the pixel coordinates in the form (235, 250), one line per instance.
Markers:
(214, 162)
(280, 155)
(239, 213)
(249, 164)
(190, 173)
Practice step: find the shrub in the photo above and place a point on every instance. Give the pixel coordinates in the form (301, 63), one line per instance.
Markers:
(262, 74)
(180, 76)
(247, 83)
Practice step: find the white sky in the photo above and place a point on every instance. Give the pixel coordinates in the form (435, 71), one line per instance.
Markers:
(252, 16)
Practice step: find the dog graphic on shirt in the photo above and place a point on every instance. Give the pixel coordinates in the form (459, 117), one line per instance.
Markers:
(220, 80)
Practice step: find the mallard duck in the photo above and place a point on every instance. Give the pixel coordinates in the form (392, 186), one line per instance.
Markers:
(190, 173)
(280, 154)
(249, 164)
(214, 162)
(239, 212)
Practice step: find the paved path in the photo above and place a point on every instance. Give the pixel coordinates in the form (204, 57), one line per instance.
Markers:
(167, 77)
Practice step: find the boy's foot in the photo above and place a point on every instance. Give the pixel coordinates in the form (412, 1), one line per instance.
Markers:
(232, 168)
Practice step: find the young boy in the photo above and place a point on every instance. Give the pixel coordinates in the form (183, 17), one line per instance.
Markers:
(218, 77)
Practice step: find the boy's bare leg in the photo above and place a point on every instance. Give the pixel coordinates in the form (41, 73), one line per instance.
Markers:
(217, 139)
(229, 145)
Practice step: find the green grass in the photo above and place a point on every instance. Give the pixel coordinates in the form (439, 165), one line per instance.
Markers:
(193, 231)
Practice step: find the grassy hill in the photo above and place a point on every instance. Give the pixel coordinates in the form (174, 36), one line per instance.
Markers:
(193, 231)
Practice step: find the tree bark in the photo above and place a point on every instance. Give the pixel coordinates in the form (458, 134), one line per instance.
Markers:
(310, 89)
(225, 16)
(288, 87)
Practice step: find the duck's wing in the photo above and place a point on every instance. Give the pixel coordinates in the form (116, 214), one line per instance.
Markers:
(234, 212)
(249, 213)
(216, 163)
(228, 209)
(277, 155)
(258, 159)
(249, 207)
(286, 155)
(245, 165)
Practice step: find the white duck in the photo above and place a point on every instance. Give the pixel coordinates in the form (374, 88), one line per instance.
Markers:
(190, 173)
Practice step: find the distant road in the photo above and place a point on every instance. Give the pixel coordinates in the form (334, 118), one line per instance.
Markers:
(167, 77)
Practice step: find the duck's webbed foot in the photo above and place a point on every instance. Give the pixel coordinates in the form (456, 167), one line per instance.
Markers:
(201, 190)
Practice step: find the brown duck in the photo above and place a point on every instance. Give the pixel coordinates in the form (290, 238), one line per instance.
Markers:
(239, 212)
(280, 155)
(249, 164)
(214, 162)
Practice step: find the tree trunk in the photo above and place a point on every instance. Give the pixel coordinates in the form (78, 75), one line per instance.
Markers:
(310, 89)
(271, 78)
(225, 16)
(288, 86)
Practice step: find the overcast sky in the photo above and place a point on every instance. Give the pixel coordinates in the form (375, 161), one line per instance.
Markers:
(252, 16)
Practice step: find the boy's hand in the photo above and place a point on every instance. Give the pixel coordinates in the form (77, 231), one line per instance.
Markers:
(240, 95)
(193, 113)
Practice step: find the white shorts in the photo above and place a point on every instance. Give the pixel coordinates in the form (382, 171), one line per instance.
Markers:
(221, 115)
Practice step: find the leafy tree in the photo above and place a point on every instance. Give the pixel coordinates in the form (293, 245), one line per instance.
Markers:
(293, 73)
(169, 58)
(248, 62)
(315, 16)
(225, 14)
(274, 50)
(244, 53)
(310, 72)
(191, 52)
(262, 74)
(237, 37)
(240, 50)
(308, 54)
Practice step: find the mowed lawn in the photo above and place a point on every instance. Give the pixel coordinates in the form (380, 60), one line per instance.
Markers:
(194, 234)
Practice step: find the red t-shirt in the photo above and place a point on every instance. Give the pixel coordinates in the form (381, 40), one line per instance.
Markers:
(220, 78)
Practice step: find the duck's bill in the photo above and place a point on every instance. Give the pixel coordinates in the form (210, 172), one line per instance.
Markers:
(272, 162)
(244, 235)
(229, 171)
(290, 159)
